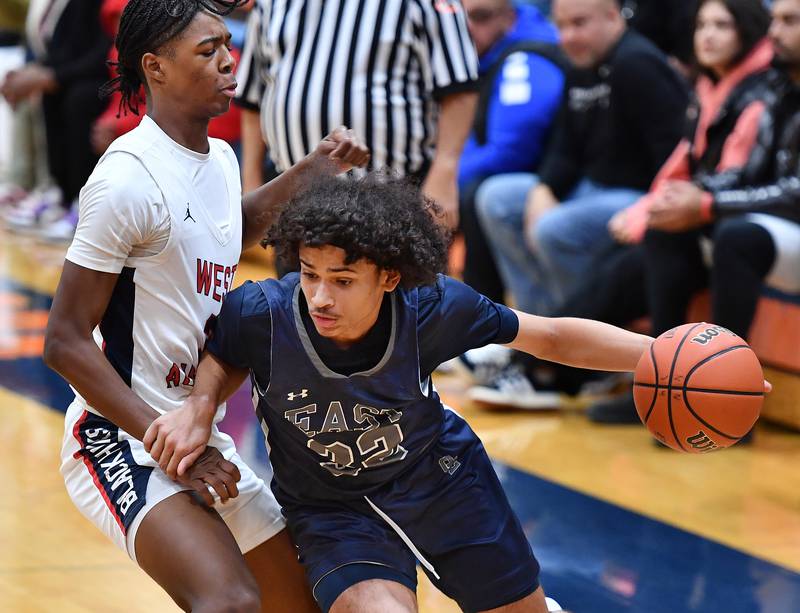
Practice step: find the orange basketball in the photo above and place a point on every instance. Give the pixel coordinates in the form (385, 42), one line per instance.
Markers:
(699, 388)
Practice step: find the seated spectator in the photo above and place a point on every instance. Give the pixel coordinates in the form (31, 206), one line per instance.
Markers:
(749, 214)
(67, 69)
(521, 80)
(732, 58)
(621, 116)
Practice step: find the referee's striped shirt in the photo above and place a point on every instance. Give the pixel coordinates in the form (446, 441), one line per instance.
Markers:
(376, 66)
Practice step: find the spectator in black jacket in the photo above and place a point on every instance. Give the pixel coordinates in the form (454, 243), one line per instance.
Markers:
(621, 116)
(68, 67)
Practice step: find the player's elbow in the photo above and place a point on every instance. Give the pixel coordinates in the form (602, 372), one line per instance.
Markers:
(56, 347)
(52, 350)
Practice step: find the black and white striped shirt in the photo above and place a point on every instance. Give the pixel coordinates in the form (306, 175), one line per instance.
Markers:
(376, 66)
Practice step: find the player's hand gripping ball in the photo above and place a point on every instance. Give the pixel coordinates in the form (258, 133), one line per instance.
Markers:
(699, 388)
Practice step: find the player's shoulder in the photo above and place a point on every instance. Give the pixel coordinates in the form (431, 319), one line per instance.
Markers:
(121, 175)
(247, 300)
(221, 146)
(124, 157)
(136, 142)
(445, 291)
(121, 165)
(286, 285)
(440, 286)
(253, 298)
(430, 292)
(223, 149)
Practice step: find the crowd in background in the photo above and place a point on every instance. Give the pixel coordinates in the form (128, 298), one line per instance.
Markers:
(601, 158)
(667, 170)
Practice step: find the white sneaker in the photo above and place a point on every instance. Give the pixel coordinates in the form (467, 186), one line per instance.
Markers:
(479, 365)
(552, 605)
(511, 388)
(62, 230)
(39, 208)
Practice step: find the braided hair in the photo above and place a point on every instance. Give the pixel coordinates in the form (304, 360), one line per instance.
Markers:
(144, 27)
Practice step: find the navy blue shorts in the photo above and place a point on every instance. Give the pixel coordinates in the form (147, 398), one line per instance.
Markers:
(448, 511)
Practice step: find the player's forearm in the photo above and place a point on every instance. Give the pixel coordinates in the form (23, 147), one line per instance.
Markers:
(215, 381)
(455, 122)
(338, 152)
(233, 381)
(262, 206)
(582, 343)
(83, 365)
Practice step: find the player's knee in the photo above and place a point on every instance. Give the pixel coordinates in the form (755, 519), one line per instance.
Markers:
(384, 596)
(385, 604)
(229, 592)
(242, 598)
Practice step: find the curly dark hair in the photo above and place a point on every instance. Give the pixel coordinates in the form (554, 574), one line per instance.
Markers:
(380, 218)
(145, 27)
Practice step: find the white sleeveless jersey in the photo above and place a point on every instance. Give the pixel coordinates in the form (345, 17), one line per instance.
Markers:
(154, 328)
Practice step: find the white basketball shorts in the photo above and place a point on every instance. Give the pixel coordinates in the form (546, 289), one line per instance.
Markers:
(114, 482)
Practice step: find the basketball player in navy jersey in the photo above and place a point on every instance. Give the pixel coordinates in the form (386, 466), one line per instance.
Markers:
(372, 471)
(162, 225)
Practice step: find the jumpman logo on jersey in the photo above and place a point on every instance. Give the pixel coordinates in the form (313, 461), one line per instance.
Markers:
(301, 394)
(189, 214)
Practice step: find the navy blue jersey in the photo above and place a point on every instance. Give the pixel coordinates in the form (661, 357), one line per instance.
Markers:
(333, 435)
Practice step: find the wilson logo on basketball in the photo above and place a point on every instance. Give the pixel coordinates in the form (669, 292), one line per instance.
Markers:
(701, 442)
(709, 334)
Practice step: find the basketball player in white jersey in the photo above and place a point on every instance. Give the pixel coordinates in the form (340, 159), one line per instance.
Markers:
(162, 225)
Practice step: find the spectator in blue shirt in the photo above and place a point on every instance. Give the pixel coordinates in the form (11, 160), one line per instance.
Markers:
(521, 82)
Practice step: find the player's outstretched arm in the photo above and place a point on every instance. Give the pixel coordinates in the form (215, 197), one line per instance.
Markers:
(80, 302)
(338, 152)
(177, 439)
(583, 343)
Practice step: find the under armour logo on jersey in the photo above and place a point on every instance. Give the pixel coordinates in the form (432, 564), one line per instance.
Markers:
(301, 394)
(449, 464)
(188, 214)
